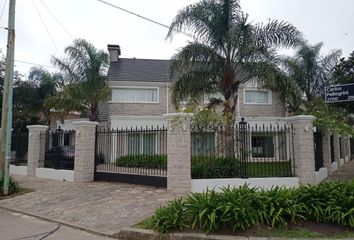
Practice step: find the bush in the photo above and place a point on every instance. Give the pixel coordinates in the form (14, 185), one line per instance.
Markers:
(241, 208)
(13, 186)
(212, 167)
(147, 161)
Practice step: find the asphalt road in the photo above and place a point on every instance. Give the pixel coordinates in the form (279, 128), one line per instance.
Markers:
(16, 226)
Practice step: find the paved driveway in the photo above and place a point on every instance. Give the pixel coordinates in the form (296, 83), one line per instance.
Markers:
(101, 207)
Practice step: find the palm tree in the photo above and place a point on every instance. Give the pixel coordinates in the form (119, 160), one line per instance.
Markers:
(227, 50)
(45, 85)
(85, 68)
(308, 72)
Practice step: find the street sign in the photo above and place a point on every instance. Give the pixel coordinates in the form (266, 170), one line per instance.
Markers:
(339, 93)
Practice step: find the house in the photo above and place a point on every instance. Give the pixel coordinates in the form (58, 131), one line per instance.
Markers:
(141, 94)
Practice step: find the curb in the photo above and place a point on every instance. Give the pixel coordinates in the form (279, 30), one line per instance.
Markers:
(143, 234)
(71, 225)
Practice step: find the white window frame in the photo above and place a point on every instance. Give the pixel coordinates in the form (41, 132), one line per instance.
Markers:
(141, 143)
(217, 95)
(135, 87)
(270, 100)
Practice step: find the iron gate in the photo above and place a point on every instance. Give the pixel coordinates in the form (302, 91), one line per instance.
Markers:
(137, 156)
(317, 137)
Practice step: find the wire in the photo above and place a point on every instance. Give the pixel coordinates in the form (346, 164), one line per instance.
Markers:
(36, 64)
(45, 26)
(3, 8)
(140, 16)
(58, 22)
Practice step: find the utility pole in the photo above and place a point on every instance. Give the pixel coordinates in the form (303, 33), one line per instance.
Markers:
(6, 121)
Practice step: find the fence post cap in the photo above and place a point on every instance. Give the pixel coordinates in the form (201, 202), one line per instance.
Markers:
(301, 118)
(37, 127)
(178, 115)
(85, 123)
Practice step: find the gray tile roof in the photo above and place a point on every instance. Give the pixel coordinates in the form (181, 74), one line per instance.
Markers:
(139, 70)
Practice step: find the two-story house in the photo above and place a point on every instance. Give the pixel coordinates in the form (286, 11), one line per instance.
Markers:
(141, 94)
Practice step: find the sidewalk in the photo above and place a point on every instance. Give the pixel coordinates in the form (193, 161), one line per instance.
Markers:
(346, 172)
(99, 207)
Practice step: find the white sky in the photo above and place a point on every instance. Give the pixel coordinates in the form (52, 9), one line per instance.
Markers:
(331, 22)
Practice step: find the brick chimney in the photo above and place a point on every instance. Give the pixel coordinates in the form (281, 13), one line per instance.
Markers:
(114, 52)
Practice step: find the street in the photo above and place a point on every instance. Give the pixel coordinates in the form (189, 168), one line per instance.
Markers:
(16, 226)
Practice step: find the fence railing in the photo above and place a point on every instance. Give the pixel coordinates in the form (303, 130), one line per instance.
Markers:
(318, 144)
(140, 151)
(19, 147)
(242, 151)
(59, 149)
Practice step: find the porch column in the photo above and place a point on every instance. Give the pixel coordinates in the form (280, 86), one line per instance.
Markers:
(179, 153)
(36, 146)
(84, 151)
(304, 152)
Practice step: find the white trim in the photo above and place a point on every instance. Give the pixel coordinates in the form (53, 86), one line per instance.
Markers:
(270, 99)
(200, 185)
(18, 170)
(114, 84)
(49, 173)
(136, 87)
(116, 117)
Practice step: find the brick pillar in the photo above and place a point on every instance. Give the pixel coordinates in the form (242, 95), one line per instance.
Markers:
(35, 148)
(326, 148)
(349, 149)
(346, 149)
(84, 151)
(336, 147)
(304, 154)
(179, 153)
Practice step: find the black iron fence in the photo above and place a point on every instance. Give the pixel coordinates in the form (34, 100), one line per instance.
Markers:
(318, 144)
(59, 149)
(331, 142)
(19, 147)
(242, 150)
(352, 148)
(139, 151)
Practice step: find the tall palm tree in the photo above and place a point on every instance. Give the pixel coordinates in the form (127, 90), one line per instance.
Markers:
(227, 50)
(46, 85)
(85, 68)
(309, 73)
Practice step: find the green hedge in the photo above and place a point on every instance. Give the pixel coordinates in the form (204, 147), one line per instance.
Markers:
(146, 161)
(212, 167)
(241, 208)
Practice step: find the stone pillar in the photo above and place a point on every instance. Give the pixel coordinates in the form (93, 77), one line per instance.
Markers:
(349, 149)
(36, 137)
(346, 149)
(336, 147)
(304, 152)
(179, 153)
(326, 148)
(84, 151)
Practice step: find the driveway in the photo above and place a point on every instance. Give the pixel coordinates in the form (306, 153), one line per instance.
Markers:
(100, 207)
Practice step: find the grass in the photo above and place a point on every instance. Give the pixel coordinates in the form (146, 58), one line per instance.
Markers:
(21, 192)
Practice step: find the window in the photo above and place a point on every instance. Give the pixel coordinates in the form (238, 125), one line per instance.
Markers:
(262, 145)
(135, 95)
(141, 143)
(217, 95)
(258, 97)
(202, 143)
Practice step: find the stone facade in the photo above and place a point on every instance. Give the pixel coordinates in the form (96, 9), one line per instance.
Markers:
(35, 148)
(303, 143)
(179, 153)
(84, 151)
(326, 148)
(336, 149)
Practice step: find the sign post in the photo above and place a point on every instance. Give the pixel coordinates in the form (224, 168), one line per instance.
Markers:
(339, 93)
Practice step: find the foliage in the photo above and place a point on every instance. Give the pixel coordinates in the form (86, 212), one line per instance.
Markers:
(13, 186)
(227, 50)
(306, 74)
(206, 117)
(327, 118)
(243, 207)
(85, 67)
(147, 161)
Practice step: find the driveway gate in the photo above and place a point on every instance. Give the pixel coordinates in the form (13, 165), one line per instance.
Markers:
(137, 156)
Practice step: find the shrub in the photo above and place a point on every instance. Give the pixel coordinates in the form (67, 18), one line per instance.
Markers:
(13, 186)
(241, 208)
(213, 167)
(147, 161)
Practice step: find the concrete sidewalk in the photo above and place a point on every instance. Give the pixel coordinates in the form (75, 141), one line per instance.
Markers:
(99, 207)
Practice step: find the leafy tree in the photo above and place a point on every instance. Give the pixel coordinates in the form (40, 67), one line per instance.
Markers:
(344, 73)
(227, 50)
(85, 68)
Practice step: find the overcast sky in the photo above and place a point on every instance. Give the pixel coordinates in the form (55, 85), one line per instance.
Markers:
(331, 22)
